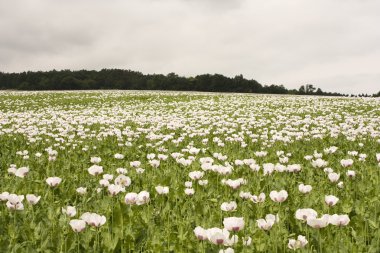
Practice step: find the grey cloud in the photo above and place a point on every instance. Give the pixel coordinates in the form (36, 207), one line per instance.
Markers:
(328, 42)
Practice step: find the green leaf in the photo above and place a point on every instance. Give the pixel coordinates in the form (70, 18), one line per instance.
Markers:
(347, 208)
(109, 242)
(373, 224)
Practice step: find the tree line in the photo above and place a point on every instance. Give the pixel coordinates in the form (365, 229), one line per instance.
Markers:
(134, 80)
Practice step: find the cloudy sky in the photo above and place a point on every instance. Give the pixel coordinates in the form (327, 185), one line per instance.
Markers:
(333, 44)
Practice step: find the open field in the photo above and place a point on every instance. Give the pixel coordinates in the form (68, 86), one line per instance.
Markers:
(117, 171)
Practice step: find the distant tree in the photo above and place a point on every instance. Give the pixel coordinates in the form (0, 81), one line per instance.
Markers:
(24, 86)
(68, 83)
(302, 90)
(43, 84)
(275, 89)
(134, 80)
(309, 89)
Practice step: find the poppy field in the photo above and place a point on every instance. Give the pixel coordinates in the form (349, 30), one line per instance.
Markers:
(138, 171)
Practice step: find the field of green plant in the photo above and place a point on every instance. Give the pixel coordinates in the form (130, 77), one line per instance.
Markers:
(119, 171)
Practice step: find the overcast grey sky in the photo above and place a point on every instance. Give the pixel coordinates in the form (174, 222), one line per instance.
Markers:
(333, 44)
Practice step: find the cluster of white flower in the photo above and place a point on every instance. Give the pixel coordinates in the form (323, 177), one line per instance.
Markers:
(202, 152)
(220, 236)
(14, 201)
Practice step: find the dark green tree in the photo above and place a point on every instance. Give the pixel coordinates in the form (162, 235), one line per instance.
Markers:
(134, 80)
(302, 90)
